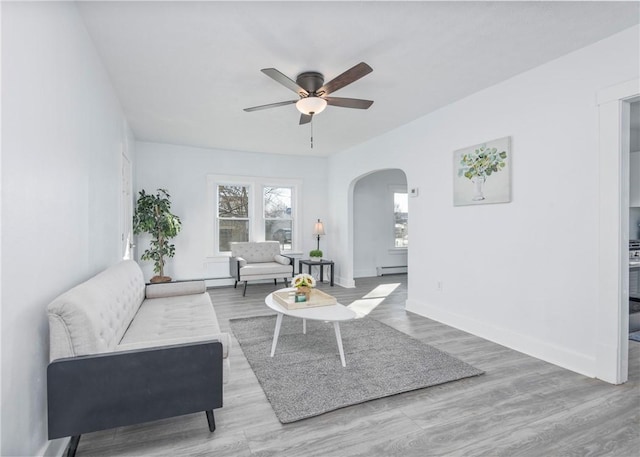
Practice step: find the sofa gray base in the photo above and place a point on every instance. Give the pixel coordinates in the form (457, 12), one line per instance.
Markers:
(103, 391)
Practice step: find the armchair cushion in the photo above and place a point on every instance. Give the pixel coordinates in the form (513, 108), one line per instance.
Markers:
(270, 269)
(282, 259)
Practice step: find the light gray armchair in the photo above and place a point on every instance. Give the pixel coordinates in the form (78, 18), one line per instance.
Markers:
(259, 260)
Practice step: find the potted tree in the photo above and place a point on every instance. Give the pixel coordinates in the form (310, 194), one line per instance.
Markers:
(153, 215)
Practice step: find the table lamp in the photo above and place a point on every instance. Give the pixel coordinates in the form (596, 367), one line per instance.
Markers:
(318, 230)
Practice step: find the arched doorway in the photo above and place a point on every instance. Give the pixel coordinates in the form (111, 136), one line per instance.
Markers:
(380, 223)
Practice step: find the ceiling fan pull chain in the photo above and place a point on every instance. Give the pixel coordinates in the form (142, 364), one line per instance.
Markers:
(311, 132)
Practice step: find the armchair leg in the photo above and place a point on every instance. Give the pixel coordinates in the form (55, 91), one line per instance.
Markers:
(244, 291)
(286, 282)
(211, 420)
(275, 281)
(235, 284)
(73, 446)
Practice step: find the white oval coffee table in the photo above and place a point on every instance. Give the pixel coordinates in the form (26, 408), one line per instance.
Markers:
(334, 313)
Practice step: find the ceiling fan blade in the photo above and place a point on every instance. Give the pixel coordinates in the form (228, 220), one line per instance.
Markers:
(285, 81)
(270, 105)
(348, 102)
(305, 118)
(352, 74)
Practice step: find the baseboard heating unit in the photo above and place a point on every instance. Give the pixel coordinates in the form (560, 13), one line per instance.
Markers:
(381, 271)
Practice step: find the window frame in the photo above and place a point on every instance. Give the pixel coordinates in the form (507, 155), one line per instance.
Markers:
(396, 189)
(256, 217)
(217, 209)
(290, 218)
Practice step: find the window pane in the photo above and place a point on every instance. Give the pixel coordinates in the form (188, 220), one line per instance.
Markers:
(232, 230)
(233, 201)
(401, 213)
(278, 215)
(277, 203)
(278, 230)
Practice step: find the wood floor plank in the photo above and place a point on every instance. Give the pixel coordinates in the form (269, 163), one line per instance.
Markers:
(521, 406)
(348, 428)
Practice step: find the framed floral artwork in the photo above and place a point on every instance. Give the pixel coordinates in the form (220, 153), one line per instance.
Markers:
(482, 173)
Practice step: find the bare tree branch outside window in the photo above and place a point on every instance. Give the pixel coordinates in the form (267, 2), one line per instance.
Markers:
(278, 216)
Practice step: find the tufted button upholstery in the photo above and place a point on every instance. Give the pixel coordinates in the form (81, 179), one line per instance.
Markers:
(257, 252)
(103, 306)
(114, 311)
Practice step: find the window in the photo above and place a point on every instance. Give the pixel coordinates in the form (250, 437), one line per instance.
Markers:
(233, 215)
(401, 213)
(278, 223)
(250, 209)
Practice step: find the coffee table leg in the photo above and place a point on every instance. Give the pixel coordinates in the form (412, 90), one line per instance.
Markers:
(304, 326)
(336, 327)
(276, 333)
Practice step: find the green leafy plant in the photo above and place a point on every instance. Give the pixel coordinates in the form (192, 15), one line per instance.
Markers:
(153, 215)
(482, 163)
(315, 253)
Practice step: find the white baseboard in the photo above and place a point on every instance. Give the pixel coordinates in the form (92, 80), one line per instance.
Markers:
(557, 355)
(55, 448)
(364, 273)
(347, 284)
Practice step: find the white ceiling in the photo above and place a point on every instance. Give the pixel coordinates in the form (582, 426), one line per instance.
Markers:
(184, 71)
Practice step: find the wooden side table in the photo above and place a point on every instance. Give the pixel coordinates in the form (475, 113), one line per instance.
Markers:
(321, 264)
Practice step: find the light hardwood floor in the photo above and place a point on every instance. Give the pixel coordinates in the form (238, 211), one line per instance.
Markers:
(521, 406)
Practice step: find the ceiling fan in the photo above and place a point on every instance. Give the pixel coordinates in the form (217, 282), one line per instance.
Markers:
(313, 92)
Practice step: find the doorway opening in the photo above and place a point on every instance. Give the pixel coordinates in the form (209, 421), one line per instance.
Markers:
(612, 351)
(380, 224)
(634, 219)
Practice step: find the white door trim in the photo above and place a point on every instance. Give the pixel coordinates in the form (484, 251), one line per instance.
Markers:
(613, 232)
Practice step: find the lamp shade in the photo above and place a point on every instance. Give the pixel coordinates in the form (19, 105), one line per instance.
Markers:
(311, 105)
(318, 229)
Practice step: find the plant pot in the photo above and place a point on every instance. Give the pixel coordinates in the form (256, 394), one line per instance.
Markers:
(306, 291)
(315, 259)
(157, 279)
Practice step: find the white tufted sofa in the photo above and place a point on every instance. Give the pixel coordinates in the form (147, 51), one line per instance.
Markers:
(255, 260)
(113, 334)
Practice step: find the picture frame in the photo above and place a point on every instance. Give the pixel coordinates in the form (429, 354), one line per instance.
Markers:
(482, 173)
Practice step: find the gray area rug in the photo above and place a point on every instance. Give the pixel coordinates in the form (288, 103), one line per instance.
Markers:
(305, 377)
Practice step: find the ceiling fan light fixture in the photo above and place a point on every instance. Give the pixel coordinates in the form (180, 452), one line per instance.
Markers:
(309, 105)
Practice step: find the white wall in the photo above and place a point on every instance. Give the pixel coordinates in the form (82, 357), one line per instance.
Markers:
(183, 171)
(63, 133)
(524, 274)
(373, 223)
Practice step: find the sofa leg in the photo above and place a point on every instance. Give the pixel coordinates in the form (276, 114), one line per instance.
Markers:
(275, 281)
(286, 282)
(244, 291)
(73, 446)
(235, 284)
(211, 420)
